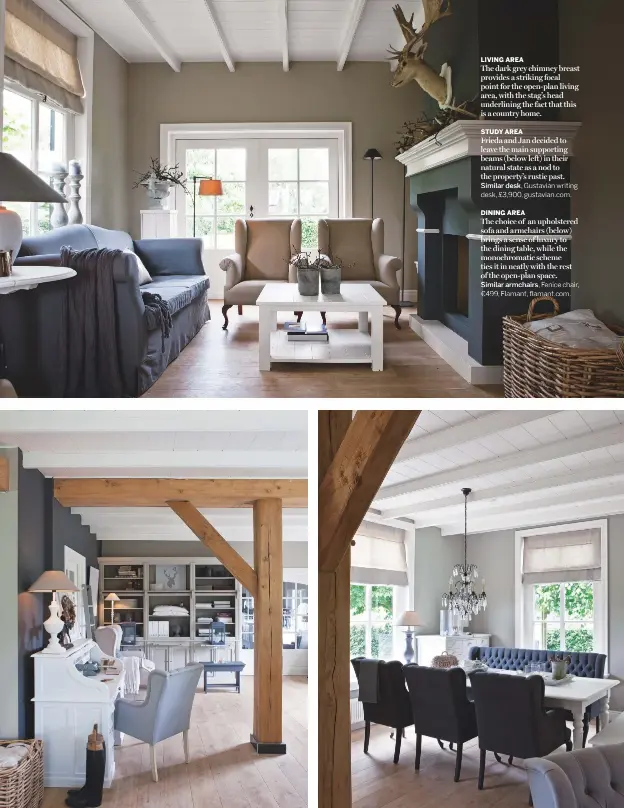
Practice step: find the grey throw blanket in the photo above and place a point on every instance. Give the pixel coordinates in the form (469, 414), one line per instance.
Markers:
(157, 315)
(89, 354)
(369, 681)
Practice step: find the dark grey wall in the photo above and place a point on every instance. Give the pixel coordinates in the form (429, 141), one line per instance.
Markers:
(295, 552)
(10, 656)
(44, 529)
(593, 40)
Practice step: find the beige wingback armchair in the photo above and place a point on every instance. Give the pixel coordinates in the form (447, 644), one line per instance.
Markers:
(262, 252)
(359, 246)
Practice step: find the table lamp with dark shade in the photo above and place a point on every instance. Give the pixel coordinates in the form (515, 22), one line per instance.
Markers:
(207, 187)
(53, 581)
(19, 184)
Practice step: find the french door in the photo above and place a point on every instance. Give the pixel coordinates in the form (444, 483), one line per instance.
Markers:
(261, 178)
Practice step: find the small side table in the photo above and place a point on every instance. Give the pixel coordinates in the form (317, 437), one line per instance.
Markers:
(223, 667)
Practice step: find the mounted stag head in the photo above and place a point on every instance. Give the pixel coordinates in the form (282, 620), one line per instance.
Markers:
(410, 63)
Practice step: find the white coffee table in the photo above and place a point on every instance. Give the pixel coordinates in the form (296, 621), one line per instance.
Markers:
(28, 277)
(348, 345)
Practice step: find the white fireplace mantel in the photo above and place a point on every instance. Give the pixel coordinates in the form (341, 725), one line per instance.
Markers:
(463, 139)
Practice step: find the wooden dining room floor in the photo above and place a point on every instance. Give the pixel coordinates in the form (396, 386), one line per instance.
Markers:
(224, 771)
(224, 364)
(378, 783)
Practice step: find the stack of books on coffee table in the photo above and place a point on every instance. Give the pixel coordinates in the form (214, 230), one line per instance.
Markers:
(306, 332)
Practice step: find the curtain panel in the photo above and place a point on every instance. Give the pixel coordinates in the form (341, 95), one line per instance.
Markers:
(42, 56)
(562, 557)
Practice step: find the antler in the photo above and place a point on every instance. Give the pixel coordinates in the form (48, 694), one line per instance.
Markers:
(433, 12)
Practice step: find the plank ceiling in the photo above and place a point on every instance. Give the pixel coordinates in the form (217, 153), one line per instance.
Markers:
(234, 444)
(525, 468)
(234, 31)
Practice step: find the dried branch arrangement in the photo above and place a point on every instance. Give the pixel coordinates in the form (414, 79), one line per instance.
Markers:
(158, 172)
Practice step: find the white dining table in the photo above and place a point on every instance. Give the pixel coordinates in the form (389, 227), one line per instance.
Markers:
(576, 696)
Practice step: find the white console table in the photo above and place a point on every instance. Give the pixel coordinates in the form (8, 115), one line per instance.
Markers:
(430, 645)
(67, 705)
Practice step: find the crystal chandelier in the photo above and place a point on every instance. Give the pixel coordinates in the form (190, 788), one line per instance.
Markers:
(461, 599)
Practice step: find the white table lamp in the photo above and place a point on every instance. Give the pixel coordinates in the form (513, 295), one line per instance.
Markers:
(53, 581)
(19, 184)
(112, 597)
(410, 620)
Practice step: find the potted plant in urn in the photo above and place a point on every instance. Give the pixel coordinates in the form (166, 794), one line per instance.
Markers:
(158, 181)
(309, 273)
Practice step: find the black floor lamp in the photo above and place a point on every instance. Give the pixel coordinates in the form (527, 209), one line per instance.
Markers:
(403, 302)
(372, 155)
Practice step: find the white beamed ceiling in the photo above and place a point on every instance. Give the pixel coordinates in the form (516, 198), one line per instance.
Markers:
(526, 468)
(235, 444)
(252, 30)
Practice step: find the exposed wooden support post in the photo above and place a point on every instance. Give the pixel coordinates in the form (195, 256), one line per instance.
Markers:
(355, 475)
(214, 541)
(150, 29)
(354, 457)
(334, 786)
(4, 474)
(267, 729)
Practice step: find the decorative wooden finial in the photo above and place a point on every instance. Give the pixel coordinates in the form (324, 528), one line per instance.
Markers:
(96, 741)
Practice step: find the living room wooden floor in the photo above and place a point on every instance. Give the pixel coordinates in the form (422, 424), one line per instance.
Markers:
(224, 771)
(378, 783)
(219, 364)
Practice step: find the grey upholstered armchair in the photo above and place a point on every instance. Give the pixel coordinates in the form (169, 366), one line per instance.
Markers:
(578, 779)
(262, 252)
(358, 244)
(165, 712)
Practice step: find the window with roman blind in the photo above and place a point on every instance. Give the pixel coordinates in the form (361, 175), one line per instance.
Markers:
(562, 584)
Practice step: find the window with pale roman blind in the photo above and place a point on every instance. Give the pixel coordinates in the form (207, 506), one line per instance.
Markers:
(562, 557)
(378, 556)
(41, 55)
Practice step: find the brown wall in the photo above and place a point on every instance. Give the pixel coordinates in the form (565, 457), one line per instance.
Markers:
(110, 175)
(262, 92)
(590, 35)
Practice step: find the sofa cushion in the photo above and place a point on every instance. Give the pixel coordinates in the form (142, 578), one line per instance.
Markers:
(144, 276)
(268, 250)
(111, 239)
(246, 293)
(171, 256)
(177, 290)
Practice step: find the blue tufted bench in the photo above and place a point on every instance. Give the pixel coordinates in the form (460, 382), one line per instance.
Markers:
(581, 664)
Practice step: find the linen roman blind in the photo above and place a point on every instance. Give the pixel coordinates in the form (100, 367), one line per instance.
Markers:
(41, 55)
(378, 556)
(562, 557)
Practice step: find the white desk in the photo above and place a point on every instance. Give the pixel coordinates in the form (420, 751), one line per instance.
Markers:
(346, 345)
(575, 696)
(30, 277)
(67, 705)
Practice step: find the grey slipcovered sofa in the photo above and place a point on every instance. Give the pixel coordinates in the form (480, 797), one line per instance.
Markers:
(586, 778)
(31, 318)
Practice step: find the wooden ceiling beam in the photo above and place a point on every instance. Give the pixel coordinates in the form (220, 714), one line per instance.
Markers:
(355, 15)
(4, 474)
(154, 34)
(157, 492)
(213, 540)
(359, 467)
(282, 10)
(216, 27)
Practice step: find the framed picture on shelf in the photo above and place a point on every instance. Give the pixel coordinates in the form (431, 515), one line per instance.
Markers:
(170, 578)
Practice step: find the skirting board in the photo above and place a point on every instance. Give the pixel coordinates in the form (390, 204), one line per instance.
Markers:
(454, 350)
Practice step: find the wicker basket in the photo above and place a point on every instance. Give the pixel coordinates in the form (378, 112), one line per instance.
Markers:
(444, 660)
(22, 786)
(534, 367)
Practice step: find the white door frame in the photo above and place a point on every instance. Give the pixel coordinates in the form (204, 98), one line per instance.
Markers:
(170, 133)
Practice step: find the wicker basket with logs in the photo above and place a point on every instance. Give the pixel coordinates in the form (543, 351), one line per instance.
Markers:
(534, 367)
